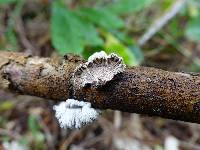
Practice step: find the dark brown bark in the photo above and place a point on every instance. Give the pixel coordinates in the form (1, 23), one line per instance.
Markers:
(42, 77)
(141, 90)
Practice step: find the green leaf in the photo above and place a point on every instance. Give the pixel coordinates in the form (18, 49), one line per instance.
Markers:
(38, 136)
(65, 30)
(132, 46)
(122, 37)
(7, 105)
(3, 121)
(113, 45)
(70, 33)
(128, 6)
(7, 1)
(11, 39)
(10, 35)
(139, 56)
(192, 31)
(166, 4)
(193, 8)
(195, 66)
(174, 28)
(101, 17)
(90, 34)
(158, 147)
(24, 141)
(33, 124)
(5, 138)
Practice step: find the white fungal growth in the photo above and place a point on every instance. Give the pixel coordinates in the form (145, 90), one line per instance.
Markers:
(75, 114)
(97, 55)
(99, 69)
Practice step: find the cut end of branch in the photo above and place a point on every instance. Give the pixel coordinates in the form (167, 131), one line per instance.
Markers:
(99, 69)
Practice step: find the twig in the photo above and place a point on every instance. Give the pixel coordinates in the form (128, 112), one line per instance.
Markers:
(142, 90)
(162, 21)
(20, 30)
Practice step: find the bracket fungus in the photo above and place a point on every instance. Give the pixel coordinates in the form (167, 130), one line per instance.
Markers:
(99, 69)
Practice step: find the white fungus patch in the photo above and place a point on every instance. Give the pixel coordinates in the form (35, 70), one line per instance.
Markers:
(97, 55)
(14, 145)
(183, 74)
(99, 69)
(75, 114)
(171, 143)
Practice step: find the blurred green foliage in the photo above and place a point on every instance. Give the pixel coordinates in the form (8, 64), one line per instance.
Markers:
(74, 30)
(67, 30)
(7, 105)
(122, 7)
(3, 121)
(7, 1)
(101, 17)
(193, 29)
(84, 29)
(112, 44)
(37, 135)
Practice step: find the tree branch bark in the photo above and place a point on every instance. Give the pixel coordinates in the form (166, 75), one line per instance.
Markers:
(142, 90)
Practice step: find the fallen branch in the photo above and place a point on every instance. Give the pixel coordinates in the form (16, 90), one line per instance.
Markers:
(143, 90)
